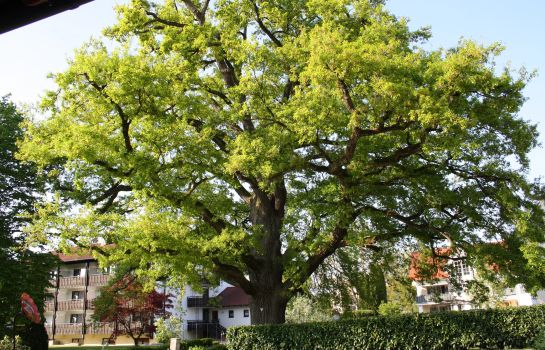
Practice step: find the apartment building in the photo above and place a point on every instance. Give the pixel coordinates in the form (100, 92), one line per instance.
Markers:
(69, 303)
(440, 294)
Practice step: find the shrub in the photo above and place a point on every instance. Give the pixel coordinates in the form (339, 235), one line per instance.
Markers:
(168, 328)
(7, 344)
(359, 314)
(485, 329)
(539, 341)
(389, 309)
(203, 342)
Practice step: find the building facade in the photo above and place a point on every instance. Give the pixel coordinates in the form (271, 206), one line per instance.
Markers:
(209, 313)
(69, 303)
(441, 295)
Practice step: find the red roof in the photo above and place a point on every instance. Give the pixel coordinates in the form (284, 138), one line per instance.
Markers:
(414, 269)
(79, 254)
(234, 296)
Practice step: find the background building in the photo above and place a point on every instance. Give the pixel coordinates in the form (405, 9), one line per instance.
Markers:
(440, 294)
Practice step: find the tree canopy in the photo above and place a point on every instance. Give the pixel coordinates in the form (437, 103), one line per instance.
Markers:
(22, 269)
(250, 140)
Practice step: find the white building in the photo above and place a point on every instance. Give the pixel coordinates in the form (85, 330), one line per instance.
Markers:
(209, 313)
(441, 295)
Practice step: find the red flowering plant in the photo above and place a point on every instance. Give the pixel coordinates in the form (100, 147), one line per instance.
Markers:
(127, 308)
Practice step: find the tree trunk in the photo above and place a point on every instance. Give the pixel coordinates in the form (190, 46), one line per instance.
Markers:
(269, 307)
(269, 297)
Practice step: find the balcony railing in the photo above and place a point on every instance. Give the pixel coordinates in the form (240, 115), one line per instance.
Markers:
(434, 298)
(98, 280)
(68, 305)
(76, 328)
(200, 301)
(71, 282)
(65, 328)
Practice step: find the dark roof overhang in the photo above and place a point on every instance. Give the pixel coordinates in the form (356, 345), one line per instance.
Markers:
(17, 13)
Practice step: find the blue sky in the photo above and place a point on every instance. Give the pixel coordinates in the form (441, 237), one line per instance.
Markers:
(31, 52)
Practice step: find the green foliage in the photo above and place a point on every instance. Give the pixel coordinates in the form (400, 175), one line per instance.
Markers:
(359, 313)
(539, 340)
(303, 309)
(203, 343)
(484, 329)
(114, 347)
(255, 138)
(478, 292)
(7, 343)
(23, 270)
(389, 309)
(166, 328)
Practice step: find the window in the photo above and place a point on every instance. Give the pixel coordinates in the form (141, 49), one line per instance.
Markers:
(76, 318)
(77, 295)
(77, 273)
(442, 289)
(231, 313)
(246, 313)
(461, 268)
(49, 297)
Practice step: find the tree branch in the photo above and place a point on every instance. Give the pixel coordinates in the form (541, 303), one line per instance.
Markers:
(263, 27)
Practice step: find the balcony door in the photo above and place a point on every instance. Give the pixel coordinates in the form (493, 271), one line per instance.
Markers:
(215, 317)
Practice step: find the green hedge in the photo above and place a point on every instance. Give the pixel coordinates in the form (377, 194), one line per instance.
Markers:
(484, 329)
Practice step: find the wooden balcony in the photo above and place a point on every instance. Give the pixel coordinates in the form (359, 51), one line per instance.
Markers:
(71, 282)
(100, 328)
(49, 306)
(98, 280)
(66, 328)
(76, 328)
(68, 305)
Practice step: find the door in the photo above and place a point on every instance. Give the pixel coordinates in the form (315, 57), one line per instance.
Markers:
(205, 315)
(215, 318)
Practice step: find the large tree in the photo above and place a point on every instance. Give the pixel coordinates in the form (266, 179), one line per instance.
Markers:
(22, 270)
(250, 140)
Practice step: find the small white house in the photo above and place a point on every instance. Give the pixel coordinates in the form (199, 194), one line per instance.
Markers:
(208, 314)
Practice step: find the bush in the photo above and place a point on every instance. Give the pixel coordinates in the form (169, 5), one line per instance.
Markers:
(389, 309)
(485, 329)
(359, 314)
(539, 341)
(203, 342)
(7, 344)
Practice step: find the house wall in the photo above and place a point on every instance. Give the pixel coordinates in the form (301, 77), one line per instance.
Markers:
(237, 320)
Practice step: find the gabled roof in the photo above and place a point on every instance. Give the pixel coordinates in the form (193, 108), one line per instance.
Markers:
(234, 296)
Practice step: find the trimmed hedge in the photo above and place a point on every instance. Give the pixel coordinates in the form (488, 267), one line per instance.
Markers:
(203, 342)
(484, 329)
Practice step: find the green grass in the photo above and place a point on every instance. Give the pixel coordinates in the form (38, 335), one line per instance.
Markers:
(113, 347)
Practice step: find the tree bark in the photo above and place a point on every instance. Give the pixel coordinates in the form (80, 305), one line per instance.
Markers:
(269, 307)
(269, 297)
